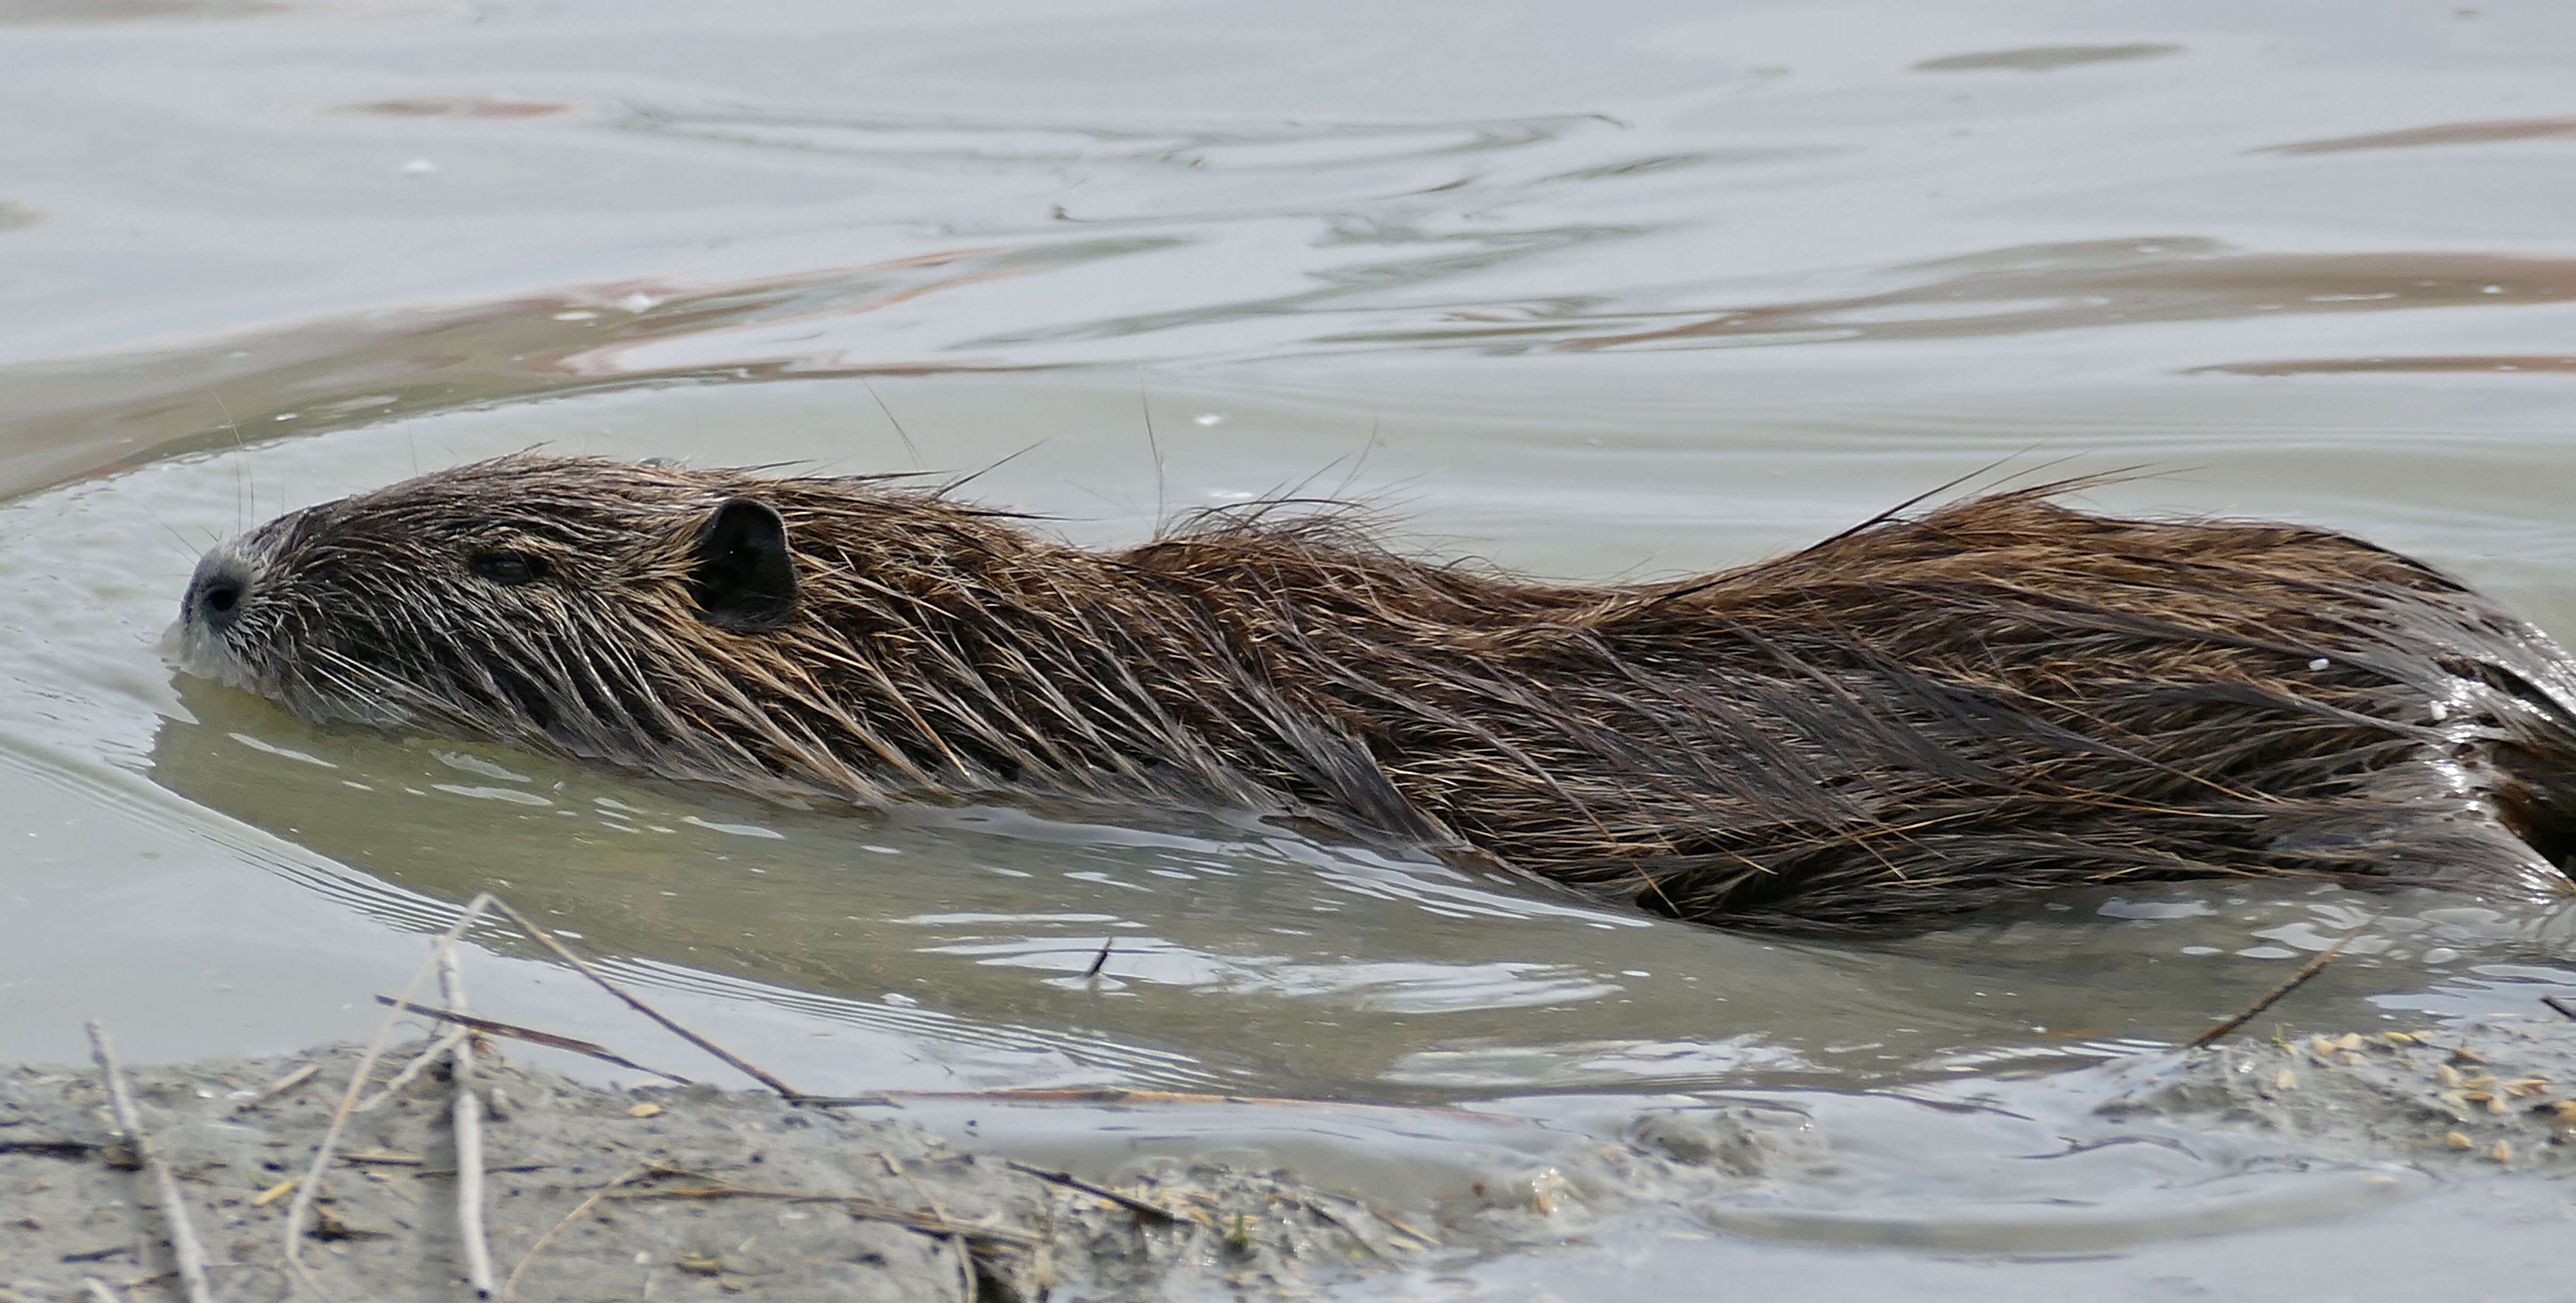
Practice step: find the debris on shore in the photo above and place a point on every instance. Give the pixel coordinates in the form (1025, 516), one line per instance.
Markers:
(2495, 1092)
(592, 1193)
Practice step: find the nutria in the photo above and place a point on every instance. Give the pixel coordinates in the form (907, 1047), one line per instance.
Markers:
(1924, 714)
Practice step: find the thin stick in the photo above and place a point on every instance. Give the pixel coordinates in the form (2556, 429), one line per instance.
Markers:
(183, 1237)
(784, 1090)
(302, 1207)
(965, 1264)
(469, 1137)
(98, 1290)
(861, 1206)
(438, 1049)
(1127, 1201)
(510, 1288)
(2269, 998)
(279, 1087)
(532, 1036)
(2560, 1005)
(965, 1269)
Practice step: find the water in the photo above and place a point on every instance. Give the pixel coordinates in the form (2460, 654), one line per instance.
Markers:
(1623, 290)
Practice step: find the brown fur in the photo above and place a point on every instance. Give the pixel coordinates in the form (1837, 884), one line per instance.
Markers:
(1919, 716)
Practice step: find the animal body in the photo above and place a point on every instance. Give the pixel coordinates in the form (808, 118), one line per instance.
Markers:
(1923, 715)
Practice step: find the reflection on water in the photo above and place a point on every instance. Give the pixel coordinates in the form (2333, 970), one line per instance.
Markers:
(1638, 289)
(2045, 58)
(2448, 133)
(2107, 283)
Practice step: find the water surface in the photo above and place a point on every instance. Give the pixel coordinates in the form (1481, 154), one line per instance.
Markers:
(1620, 291)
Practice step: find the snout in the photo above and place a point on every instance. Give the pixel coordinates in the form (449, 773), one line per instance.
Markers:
(217, 592)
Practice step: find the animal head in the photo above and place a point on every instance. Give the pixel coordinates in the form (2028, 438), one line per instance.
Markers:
(531, 598)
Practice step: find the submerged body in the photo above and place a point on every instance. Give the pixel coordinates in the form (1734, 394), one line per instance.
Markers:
(1919, 716)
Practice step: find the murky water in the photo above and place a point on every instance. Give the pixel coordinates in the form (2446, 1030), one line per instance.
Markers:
(1632, 289)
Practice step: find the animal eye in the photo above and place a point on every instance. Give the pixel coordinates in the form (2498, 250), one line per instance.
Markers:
(507, 567)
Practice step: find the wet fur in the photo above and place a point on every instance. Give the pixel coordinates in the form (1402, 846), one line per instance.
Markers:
(1921, 716)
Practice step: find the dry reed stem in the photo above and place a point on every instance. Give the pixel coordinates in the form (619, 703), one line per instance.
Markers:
(1131, 1203)
(784, 1090)
(965, 1264)
(859, 1206)
(279, 1087)
(531, 1035)
(469, 1137)
(510, 1288)
(183, 1238)
(965, 1268)
(2315, 965)
(421, 1062)
(306, 1189)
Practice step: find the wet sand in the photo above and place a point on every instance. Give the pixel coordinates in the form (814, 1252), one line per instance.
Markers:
(690, 1192)
(597, 1193)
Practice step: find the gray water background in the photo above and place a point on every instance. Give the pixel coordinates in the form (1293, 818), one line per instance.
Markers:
(1618, 290)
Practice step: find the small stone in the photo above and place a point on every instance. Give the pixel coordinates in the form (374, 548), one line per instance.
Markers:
(644, 1110)
(2458, 1141)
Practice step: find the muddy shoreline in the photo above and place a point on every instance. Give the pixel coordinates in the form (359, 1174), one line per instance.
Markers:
(601, 1193)
(686, 1192)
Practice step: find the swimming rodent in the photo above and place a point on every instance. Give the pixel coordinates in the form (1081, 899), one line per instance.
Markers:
(1925, 714)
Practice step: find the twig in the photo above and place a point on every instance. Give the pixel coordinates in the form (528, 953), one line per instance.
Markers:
(437, 1049)
(1101, 960)
(2559, 1004)
(279, 1087)
(183, 1237)
(965, 1269)
(469, 1137)
(784, 1090)
(895, 1167)
(98, 1289)
(305, 1191)
(382, 1158)
(531, 1035)
(50, 1149)
(510, 1288)
(1129, 1202)
(860, 1206)
(2315, 965)
(965, 1264)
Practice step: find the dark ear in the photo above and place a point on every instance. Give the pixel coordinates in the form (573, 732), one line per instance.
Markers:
(743, 576)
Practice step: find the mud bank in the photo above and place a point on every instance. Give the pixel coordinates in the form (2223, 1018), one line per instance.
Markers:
(605, 1194)
(2486, 1094)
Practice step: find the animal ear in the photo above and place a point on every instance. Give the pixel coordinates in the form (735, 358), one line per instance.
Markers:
(742, 574)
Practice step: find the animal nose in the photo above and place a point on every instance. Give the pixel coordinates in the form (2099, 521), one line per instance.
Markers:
(216, 593)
